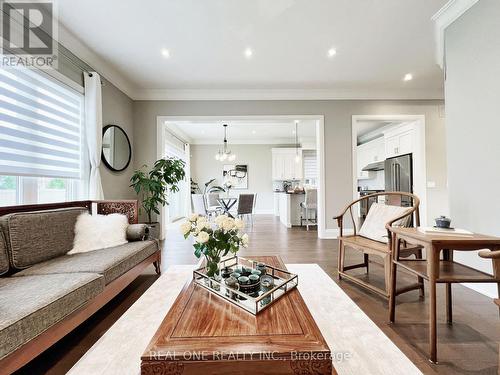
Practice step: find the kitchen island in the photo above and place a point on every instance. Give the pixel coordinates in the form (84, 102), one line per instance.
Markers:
(289, 207)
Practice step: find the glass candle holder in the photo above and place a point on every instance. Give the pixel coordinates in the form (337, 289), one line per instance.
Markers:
(266, 284)
(261, 267)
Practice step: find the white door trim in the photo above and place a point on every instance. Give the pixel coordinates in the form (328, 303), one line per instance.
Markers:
(320, 140)
(420, 168)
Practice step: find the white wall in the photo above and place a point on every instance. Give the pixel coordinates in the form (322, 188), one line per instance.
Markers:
(258, 158)
(472, 92)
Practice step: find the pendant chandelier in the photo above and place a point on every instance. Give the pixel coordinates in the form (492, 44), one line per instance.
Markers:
(225, 154)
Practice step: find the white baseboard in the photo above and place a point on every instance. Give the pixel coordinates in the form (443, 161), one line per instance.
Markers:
(330, 234)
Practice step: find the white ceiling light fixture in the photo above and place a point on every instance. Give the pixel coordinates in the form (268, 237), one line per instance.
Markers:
(248, 52)
(297, 156)
(332, 52)
(165, 53)
(408, 77)
(225, 154)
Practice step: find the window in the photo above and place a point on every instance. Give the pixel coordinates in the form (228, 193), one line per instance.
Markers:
(310, 167)
(42, 152)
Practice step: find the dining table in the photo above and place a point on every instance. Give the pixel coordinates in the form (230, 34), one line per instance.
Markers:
(227, 203)
(438, 267)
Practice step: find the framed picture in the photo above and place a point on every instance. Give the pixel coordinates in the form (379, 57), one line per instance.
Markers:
(235, 176)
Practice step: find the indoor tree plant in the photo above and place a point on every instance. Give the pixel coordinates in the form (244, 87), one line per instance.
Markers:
(215, 242)
(154, 186)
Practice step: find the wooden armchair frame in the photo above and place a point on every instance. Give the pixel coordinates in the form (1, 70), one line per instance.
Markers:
(495, 259)
(372, 247)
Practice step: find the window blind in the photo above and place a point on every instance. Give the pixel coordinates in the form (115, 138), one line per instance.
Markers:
(40, 126)
(310, 164)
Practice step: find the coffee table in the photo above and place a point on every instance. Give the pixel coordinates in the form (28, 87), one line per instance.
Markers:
(204, 334)
(358, 345)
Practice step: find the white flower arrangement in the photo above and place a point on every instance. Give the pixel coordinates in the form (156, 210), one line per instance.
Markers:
(215, 241)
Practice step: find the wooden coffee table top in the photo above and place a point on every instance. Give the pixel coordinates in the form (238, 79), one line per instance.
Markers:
(201, 322)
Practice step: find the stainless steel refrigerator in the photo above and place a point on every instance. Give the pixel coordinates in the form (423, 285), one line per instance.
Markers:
(399, 176)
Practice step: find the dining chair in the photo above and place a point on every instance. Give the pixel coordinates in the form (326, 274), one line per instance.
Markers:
(309, 205)
(199, 207)
(373, 238)
(246, 204)
(213, 206)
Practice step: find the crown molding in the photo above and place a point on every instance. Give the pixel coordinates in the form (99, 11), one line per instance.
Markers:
(87, 55)
(444, 17)
(287, 94)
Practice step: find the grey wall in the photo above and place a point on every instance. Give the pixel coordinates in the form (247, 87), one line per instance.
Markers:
(472, 92)
(259, 161)
(117, 109)
(338, 117)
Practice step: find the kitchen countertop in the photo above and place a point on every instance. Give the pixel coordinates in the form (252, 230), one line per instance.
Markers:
(290, 192)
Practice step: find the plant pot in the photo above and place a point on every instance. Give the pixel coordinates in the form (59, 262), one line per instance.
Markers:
(154, 231)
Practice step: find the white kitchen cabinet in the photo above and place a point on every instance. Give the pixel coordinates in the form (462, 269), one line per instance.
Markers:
(399, 142)
(369, 152)
(284, 164)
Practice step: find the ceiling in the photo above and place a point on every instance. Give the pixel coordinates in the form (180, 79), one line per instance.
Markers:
(244, 131)
(377, 43)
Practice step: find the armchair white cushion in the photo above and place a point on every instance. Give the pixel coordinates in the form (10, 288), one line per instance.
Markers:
(378, 216)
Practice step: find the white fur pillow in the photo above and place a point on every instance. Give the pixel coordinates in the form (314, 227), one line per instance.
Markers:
(94, 232)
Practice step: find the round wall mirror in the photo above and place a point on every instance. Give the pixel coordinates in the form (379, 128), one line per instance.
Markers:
(116, 149)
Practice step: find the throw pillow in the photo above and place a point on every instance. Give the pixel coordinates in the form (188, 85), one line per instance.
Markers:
(93, 232)
(380, 214)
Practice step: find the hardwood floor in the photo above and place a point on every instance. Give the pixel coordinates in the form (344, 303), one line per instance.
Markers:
(469, 346)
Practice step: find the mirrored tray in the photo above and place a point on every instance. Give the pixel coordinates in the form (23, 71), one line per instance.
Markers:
(253, 297)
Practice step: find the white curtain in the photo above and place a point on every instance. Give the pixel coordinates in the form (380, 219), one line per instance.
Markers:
(93, 130)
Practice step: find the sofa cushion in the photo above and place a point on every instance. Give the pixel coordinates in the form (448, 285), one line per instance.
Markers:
(378, 216)
(33, 237)
(4, 257)
(111, 262)
(30, 305)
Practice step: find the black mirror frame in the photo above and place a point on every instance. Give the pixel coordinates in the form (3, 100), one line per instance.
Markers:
(103, 159)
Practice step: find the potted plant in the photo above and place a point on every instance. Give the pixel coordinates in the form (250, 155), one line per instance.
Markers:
(215, 242)
(154, 186)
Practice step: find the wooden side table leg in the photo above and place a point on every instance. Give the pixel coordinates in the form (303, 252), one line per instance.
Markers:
(433, 272)
(449, 304)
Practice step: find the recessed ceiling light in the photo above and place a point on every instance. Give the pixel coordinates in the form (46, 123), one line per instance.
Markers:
(332, 52)
(253, 132)
(248, 52)
(408, 77)
(165, 53)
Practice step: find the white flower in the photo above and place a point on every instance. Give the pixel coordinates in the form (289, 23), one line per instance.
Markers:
(228, 224)
(193, 217)
(244, 240)
(220, 219)
(239, 224)
(202, 223)
(202, 237)
(185, 227)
